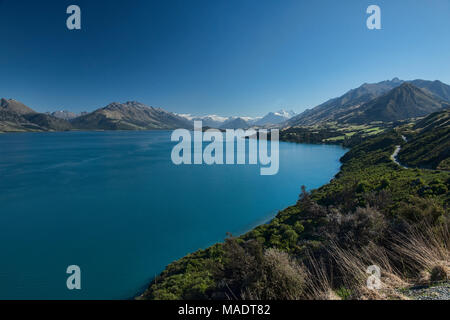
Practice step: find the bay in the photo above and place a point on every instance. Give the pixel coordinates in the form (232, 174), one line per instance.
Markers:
(114, 204)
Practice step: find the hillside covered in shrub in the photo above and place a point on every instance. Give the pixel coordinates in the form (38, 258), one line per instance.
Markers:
(374, 212)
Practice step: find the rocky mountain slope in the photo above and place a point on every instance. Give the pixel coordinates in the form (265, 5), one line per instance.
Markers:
(14, 106)
(130, 116)
(348, 105)
(17, 117)
(403, 102)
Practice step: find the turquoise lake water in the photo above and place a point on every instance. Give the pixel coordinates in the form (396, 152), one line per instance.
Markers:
(115, 205)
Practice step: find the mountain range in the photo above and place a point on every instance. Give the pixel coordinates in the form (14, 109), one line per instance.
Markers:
(388, 100)
(385, 101)
(16, 117)
(215, 121)
(403, 102)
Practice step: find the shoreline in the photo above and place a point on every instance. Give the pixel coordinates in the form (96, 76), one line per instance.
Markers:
(268, 221)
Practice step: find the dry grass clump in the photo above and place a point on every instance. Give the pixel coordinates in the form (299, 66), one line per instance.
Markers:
(424, 253)
(318, 280)
(352, 272)
(419, 255)
(415, 255)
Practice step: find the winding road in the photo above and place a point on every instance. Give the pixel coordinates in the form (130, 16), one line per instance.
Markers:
(395, 154)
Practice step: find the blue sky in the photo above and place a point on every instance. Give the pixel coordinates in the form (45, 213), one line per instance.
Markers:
(226, 57)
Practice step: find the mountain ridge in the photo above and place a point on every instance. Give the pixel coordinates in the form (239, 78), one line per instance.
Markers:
(369, 102)
(15, 106)
(131, 115)
(336, 108)
(242, 122)
(403, 102)
(16, 117)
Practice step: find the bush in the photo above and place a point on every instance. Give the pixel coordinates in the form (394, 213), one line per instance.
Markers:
(248, 272)
(438, 273)
(298, 227)
(282, 278)
(356, 228)
(421, 210)
(362, 187)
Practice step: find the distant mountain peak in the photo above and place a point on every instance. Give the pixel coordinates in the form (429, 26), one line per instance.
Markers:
(284, 113)
(64, 114)
(276, 117)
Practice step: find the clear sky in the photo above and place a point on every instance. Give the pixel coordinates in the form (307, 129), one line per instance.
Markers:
(226, 57)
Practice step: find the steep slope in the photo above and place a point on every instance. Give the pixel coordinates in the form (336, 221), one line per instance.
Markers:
(428, 146)
(435, 120)
(437, 88)
(404, 102)
(13, 122)
(335, 108)
(15, 116)
(15, 107)
(130, 116)
(48, 122)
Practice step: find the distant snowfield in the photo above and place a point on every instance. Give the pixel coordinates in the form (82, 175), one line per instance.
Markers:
(221, 121)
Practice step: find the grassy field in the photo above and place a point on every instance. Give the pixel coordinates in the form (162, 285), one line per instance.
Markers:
(333, 132)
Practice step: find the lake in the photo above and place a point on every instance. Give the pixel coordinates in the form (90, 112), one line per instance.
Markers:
(114, 204)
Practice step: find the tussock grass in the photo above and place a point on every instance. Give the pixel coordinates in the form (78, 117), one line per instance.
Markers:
(418, 256)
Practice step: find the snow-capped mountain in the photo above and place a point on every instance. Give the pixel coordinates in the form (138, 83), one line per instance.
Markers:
(234, 122)
(212, 120)
(275, 117)
(216, 121)
(66, 115)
